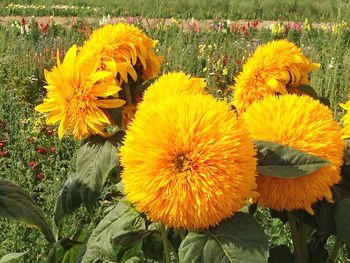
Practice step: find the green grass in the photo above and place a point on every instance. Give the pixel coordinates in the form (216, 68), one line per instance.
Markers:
(324, 10)
(206, 54)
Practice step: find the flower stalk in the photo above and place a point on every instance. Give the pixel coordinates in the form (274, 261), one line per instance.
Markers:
(337, 245)
(165, 243)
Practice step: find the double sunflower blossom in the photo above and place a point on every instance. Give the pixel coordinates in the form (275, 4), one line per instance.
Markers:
(275, 68)
(187, 158)
(82, 88)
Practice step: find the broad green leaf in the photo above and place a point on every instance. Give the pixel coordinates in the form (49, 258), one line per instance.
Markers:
(130, 238)
(308, 90)
(316, 247)
(239, 239)
(342, 219)
(64, 251)
(16, 204)
(280, 252)
(96, 159)
(281, 161)
(323, 219)
(121, 219)
(11, 257)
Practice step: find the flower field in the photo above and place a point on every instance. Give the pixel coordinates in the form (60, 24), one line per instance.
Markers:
(175, 135)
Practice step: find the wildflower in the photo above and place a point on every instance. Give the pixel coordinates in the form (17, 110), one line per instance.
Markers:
(31, 139)
(34, 165)
(308, 126)
(40, 176)
(5, 153)
(306, 25)
(49, 132)
(76, 92)
(2, 145)
(187, 161)
(271, 70)
(41, 150)
(52, 150)
(43, 129)
(123, 49)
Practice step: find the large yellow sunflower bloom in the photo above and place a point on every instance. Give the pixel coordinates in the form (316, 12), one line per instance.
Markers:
(172, 84)
(188, 161)
(304, 124)
(75, 93)
(123, 49)
(271, 69)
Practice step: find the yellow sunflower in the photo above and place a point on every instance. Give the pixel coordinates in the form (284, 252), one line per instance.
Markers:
(271, 69)
(188, 161)
(75, 95)
(304, 124)
(172, 84)
(124, 49)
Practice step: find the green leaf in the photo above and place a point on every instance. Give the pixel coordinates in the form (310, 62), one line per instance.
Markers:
(316, 247)
(280, 252)
(239, 239)
(11, 257)
(64, 251)
(281, 161)
(130, 238)
(308, 90)
(96, 159)
(323, 219)
(115, 225)
(16, 204)
(342, 219)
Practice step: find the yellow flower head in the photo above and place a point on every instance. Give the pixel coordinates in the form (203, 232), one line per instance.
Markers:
(272, 68)
(304, 124)
(188, 161)
(124, 50)
(173, 84)
(75, 93)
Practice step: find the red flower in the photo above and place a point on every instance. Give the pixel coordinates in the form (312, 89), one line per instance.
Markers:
(45, 28)
(43, 129)
(2, 145)
(34, 165)
(4, 139)
(31, 139)
(40, 176)
(238, 62)
(41, 150)
(49, 132)
(5, 153)
(52, 150)
(23, 21)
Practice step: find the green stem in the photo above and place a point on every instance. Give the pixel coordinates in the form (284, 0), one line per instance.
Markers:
(295, 238)
(127, 94)
(165, 243)
(182, 233)
(337, 245)
(303, 242)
